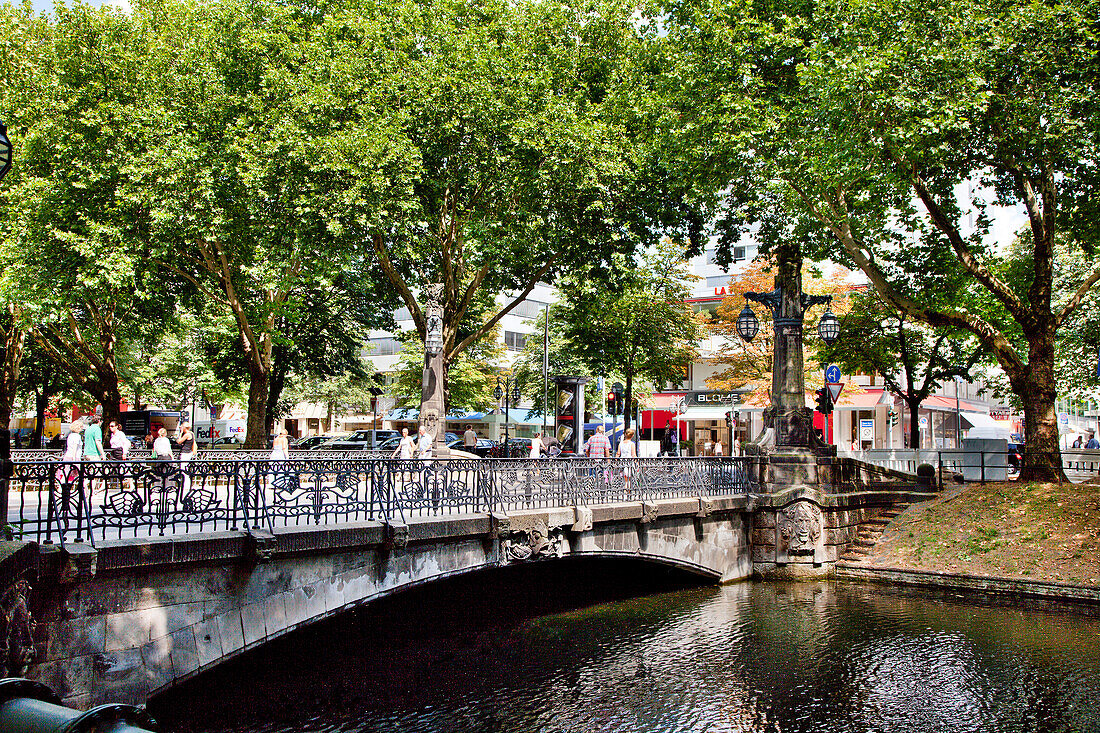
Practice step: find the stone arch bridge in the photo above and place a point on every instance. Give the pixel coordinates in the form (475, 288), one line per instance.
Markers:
(143, 580)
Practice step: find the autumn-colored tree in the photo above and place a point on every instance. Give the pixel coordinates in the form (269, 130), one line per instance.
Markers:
(749, 365)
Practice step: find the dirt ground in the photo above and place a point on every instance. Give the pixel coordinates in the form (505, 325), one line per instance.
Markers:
(1035, 531)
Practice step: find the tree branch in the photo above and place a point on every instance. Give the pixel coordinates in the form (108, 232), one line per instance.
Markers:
(503, 311)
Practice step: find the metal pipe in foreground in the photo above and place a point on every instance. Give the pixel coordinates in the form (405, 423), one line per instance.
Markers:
(31, 707)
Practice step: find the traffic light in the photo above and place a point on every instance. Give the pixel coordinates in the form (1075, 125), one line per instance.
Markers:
(893, 417)
(824, 404)
(612, 404)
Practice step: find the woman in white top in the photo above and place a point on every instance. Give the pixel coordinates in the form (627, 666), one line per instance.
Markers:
(74, 453)
(280, 447)
(627, 449)
(718, 447)
(406, 447)
(536, 446)
(74, 444)
(162, 447)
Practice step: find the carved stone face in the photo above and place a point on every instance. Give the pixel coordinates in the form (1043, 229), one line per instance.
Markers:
(800, 526)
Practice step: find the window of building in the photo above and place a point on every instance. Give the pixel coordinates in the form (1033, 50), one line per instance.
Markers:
(515, 341)
(717, 281)
(711, 256)
(383, 346)
(402, 314)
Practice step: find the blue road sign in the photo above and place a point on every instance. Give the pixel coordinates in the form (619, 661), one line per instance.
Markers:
(832, 373)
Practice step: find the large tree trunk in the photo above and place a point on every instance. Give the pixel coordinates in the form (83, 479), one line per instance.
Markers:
(41, 402)
(14, 339)
(256, 435)
(913, 403)
(1038, 389)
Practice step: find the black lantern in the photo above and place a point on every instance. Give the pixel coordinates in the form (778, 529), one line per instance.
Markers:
(829, 327)
(515, 395)
(747, 324)
(498, 392)
(5, 151)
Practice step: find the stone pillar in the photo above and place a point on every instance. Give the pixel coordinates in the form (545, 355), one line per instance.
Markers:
(432, 407)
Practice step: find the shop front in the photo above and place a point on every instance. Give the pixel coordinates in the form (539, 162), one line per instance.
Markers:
(703, 421)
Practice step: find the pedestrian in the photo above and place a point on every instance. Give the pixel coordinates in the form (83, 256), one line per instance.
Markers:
(93, 440)
(280, 447)
(74, 449)
(469, 438)
(1093, 444)
(627, 449)
(551, 446)
(423, 443)
(162, 447)
(736, 446)
(598, 446)
(118, 442)
(118, 449)
(536, 446)
(149, 440)
(186, 442)
(406, 447)
(718, 451)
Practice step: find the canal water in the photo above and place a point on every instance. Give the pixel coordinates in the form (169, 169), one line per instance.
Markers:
(767, 657)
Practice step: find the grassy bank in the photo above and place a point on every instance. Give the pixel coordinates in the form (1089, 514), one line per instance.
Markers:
(1032, 531)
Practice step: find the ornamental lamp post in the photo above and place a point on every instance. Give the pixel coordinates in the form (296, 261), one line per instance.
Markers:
(787, 413)
(431, 393)
(510, 398)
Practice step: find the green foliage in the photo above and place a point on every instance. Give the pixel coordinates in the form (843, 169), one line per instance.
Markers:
(642, 328)
(875, 131)
(470, 379)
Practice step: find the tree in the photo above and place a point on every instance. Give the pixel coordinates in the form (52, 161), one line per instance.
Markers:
(838, 117)
(504, 160)
(641, 327)
(253, 175)
(912, 357)
(74, 241)
(750, 364)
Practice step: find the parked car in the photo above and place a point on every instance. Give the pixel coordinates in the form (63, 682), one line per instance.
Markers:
(309, 442)
(483, 448)
(229, 442)
(360, 440)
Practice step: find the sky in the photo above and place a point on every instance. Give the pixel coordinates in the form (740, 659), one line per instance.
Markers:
(44, 6)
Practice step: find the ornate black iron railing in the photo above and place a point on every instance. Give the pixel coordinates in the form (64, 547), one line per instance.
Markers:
(94, 501)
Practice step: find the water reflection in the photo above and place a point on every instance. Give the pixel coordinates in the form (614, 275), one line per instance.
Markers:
(748, 657)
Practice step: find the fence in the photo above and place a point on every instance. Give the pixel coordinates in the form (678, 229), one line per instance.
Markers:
(103, 500)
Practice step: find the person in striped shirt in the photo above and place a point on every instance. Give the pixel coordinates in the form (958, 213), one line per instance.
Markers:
(598, 446)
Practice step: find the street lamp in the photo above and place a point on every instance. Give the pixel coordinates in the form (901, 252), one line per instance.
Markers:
(5, 151)
(748, 325)
(787, 414)
(510, 398)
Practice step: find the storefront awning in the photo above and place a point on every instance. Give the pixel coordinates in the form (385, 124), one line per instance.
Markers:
(979, 420)
(696, 412)
(862, 401)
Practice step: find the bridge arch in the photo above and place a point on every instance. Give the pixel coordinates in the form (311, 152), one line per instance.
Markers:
(156, 613)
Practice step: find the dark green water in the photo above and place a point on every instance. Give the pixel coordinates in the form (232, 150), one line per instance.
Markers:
(749, 657)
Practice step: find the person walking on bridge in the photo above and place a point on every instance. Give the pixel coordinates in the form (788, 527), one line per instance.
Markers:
(598, 446)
